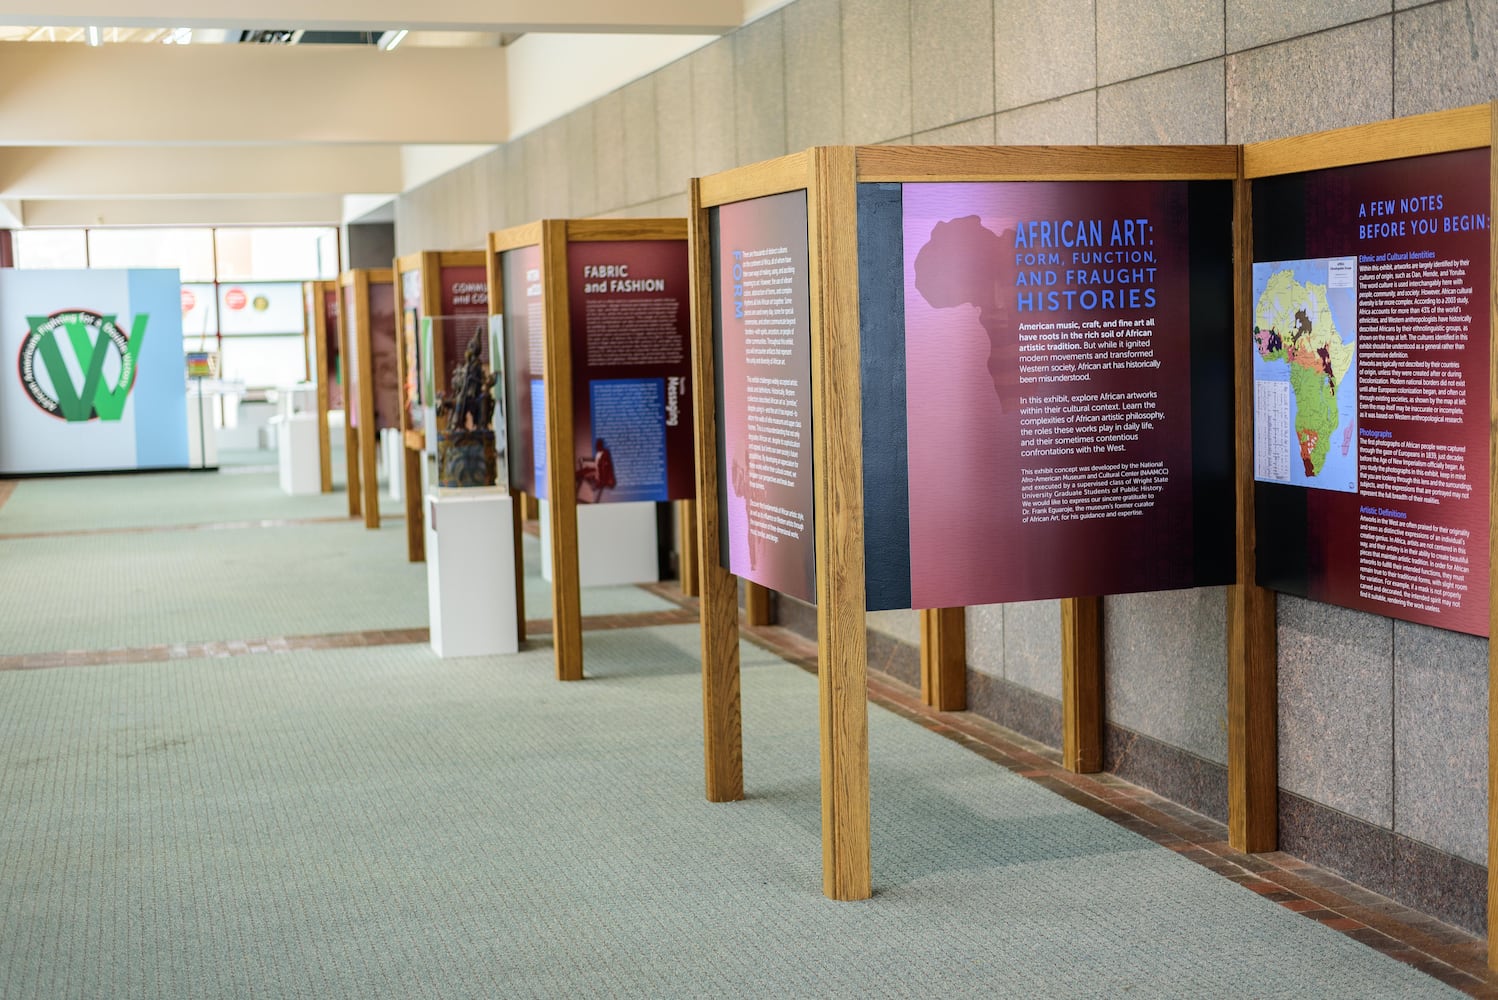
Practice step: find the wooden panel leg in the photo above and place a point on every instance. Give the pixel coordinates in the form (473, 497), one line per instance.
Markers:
(1082, 684)
(369, 443)
(686, 534)
(354, 484)
(416, 542)
(517, 501)
(758, 605)
(944, 658)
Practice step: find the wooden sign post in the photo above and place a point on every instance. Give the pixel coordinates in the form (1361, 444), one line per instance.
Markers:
(320, 303)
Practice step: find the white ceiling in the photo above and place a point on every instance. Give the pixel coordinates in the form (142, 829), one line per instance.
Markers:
(169, 118)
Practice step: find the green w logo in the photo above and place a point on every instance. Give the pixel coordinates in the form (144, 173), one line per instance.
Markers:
(98, 381)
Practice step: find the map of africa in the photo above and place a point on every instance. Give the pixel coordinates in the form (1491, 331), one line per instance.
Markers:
(960, 265)
(1305, 380)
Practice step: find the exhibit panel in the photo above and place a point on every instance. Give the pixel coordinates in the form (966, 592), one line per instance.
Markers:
(1365, 447)
(762, 340)
(1021, 387)
(1371, 286)
(1048, 389)
(99, 381)
(628, 311)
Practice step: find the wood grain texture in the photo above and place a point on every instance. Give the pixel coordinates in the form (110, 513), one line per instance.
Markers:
(369, 433)
(785, 173)
(1417, 135)
(517, 525)
(759, 604)
(837, 446)
(944, 658)
(686, 534)
(314, 297)
(352, 485)
(605, 230)
(718, 606)
(1051, 163)
(413, 499)
(1493, 556)
(513, 238)
(1082, 684)
(566, 594)
(1253, 761)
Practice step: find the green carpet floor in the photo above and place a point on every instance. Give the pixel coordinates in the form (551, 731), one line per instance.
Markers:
(378, 822)
(382, 823)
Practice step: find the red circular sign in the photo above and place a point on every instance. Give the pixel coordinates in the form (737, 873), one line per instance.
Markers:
(235, 298)
(189, 301)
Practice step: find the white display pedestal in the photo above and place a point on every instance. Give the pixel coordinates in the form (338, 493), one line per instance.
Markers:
(615, 543)
(202, 437)
(297, 455)
(392, 450)
(471, 571)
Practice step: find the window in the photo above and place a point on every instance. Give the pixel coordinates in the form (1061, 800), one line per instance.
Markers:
(39, 248)
(241, 286)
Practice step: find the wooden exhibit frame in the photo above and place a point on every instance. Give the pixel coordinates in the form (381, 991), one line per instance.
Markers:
(314, 298)
(352, 485)
(1252, 692)
(553, 237)
(353, 314)
(430, 264)
(830, 176)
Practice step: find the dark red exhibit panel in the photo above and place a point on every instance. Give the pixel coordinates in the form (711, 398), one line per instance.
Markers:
(525, 367)
(333, 346)
(1047, 389)
(762, 336)
(1370, 333)
(411, 336)
(628, 313)
(387, 397)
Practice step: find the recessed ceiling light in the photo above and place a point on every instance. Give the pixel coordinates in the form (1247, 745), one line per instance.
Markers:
(391, 39)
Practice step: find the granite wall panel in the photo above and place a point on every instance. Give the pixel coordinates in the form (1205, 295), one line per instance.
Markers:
(1183, 106)
(876, 70)
(813, 74)
(1165, 667)
(1139, 37)
(1336, 708)
(759, 90)
(951, 62)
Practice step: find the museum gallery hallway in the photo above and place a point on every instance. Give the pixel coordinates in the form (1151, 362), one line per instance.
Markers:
(230, 765)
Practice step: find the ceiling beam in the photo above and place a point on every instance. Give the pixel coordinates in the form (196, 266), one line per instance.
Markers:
(323, 210)
(636, 16)
(61, 95)
(33, 172)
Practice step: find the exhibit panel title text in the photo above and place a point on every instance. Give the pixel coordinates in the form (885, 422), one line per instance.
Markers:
(1086, 264)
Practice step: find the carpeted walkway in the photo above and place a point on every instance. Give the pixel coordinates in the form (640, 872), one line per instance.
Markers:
(378, 822)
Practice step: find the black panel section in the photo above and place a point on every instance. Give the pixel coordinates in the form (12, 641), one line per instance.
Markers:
(886, 468)
(1210, 238)
(720, 446)
(1280, 511)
